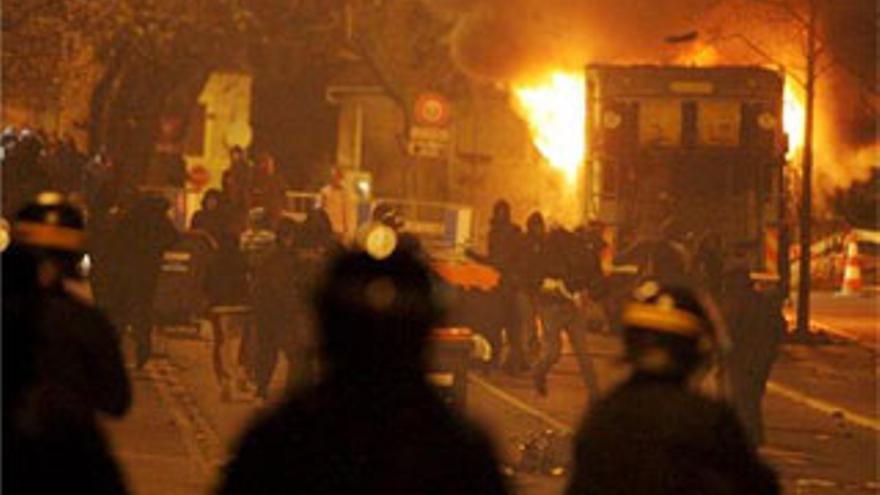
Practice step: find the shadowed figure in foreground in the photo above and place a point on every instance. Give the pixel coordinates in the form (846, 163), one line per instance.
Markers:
(654, 434)
(372, 424)
(62, 363)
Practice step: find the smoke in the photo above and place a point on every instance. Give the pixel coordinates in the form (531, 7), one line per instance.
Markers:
(850, 34)
(512, 39)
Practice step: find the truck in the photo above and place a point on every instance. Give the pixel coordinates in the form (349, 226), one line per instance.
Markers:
(685, 152)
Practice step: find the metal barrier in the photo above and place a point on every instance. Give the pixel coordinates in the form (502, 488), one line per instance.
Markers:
(298, 204)
(438, 225)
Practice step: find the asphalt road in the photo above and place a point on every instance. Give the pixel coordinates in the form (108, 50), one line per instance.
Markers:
(821, 418)
(855, 317)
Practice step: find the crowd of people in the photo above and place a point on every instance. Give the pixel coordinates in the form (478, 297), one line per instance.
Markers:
(553, 279)
(35, 161)
(545, 276)
(369, 421)
(359, 413)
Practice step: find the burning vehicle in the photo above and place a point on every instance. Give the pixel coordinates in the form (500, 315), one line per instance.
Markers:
(684, 153)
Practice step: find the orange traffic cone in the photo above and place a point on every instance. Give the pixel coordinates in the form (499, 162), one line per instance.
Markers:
(852, 272)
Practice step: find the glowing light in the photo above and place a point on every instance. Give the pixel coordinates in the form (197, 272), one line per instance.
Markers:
(699, 55)
(555, 109)
(793, 117)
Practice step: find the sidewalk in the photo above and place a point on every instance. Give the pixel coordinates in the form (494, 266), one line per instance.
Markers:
(149, 446)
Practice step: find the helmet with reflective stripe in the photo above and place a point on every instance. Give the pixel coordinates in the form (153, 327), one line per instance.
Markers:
(49, 221)
(667, 329)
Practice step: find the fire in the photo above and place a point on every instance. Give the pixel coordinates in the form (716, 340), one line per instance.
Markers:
(793, 117)
(555, 109)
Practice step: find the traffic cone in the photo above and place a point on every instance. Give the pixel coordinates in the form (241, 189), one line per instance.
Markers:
(852, 272)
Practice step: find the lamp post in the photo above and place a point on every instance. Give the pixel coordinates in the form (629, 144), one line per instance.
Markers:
(813, 51)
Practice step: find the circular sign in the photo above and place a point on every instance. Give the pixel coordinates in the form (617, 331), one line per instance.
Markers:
(199, 176)
(432, 109)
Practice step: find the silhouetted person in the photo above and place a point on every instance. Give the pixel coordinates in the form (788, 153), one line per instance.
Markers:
(372, 424)
(571, 272)
(62, 362)
(268, 188)
(24, 172)
(318, 232)
(654, 434)
(531, 269)
(143, 235)
(214, 215)
(756, 328)
(277, 311)
(237, 179)
(226, 287)
(504, 247)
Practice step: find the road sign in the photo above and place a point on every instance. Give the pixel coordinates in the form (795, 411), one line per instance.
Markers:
(199, 176)
(431, 109)
(428, 142)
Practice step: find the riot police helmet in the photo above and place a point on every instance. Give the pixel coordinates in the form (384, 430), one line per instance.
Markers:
(667, 330)
(52, 230)
(50, 222)
(377, 313)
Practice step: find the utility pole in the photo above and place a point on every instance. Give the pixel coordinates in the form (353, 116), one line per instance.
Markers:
(803, 299)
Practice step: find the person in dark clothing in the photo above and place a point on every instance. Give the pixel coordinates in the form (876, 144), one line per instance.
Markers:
(504, 246)
(68, 166)
(213, 217)
(531, 268)
(318, 232)
(226, 285)
(372, 424)
(24, 172)
(268, 188)
(655, 435)
(278, 311)
(142, 236)
(572, 273)
(62, 362)
(237, 179)
(757, 328)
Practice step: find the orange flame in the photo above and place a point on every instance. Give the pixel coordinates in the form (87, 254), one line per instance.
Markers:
(794, 117)
(555, 109)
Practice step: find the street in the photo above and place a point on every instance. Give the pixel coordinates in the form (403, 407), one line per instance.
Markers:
(855, 317)
(820, 413)
(169, 167)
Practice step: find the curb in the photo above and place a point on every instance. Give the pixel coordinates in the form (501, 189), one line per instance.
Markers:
(199, 438)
